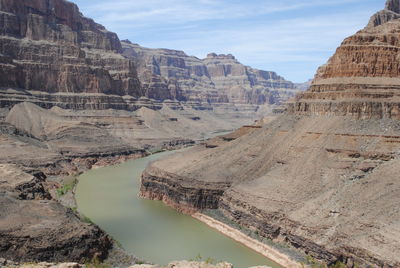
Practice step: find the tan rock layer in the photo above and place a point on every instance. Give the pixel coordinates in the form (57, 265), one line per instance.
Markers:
(172, 74)
(362, 78)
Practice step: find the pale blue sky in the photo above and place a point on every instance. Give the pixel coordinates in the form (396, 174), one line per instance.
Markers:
(291, 37)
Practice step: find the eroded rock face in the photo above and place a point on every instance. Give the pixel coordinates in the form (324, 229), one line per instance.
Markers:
(321, 177)
(49, 46)
(44, 230)
(391, 12)
(33, 227)
(216, 79)
(362, 78)
(26, 186)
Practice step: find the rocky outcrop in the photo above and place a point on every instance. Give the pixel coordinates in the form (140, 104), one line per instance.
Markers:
(321, 177)
(391, 12)
(26, 186)
(34, 227)
(362, 78)
(172, 74)
(158, 185)
(45, 230)
(49, 47)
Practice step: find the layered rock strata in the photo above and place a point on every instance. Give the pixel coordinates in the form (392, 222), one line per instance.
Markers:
(323, 176)
(172, 74)
(362, 78)
(53, 55)
(34, 227)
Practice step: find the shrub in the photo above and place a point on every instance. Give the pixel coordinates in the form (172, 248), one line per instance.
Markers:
(66, 188)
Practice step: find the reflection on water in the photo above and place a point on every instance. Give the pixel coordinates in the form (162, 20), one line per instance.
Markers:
(149, 229)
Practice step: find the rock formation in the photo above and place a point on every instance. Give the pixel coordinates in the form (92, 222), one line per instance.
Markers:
(391, 12)
(172, 74)
(34, 227)
(362, 78)
(323, 177)
(51, 54)
(303, 86)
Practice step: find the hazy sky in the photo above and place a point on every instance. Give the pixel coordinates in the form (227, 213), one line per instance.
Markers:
(291, 37)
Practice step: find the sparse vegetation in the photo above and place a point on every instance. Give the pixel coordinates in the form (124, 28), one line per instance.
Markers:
(96, 263)
(197, 258)
(314, 263)
(66, 187)
(209, 260)
(86, 219)
(339, 264)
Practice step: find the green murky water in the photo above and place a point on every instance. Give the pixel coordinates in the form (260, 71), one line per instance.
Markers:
(149, 229)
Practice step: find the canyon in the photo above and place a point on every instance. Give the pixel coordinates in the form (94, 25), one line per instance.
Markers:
(74, 97)
(322, 177)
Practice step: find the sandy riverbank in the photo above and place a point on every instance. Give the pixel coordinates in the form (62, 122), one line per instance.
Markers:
(249, 242)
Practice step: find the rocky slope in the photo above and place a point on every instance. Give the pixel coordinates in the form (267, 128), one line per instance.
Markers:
(171, 74)
(323, 176)
(33, 227)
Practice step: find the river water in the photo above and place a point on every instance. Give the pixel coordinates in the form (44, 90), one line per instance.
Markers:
(149, 229)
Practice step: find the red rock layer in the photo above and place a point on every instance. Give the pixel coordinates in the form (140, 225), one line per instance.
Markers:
(362, 78)
(49, 46)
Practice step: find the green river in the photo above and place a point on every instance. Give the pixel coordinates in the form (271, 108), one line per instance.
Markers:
(149, 229)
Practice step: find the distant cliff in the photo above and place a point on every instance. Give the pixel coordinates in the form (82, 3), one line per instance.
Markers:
(171, 74)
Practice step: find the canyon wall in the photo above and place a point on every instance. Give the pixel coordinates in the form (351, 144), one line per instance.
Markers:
(52, 55)
(362, 78)
(323, 177)
(172, 74)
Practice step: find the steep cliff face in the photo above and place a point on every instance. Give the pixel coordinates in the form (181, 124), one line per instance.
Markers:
(48, 46)
(216, 79)
(322, 177)
(362, 78)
